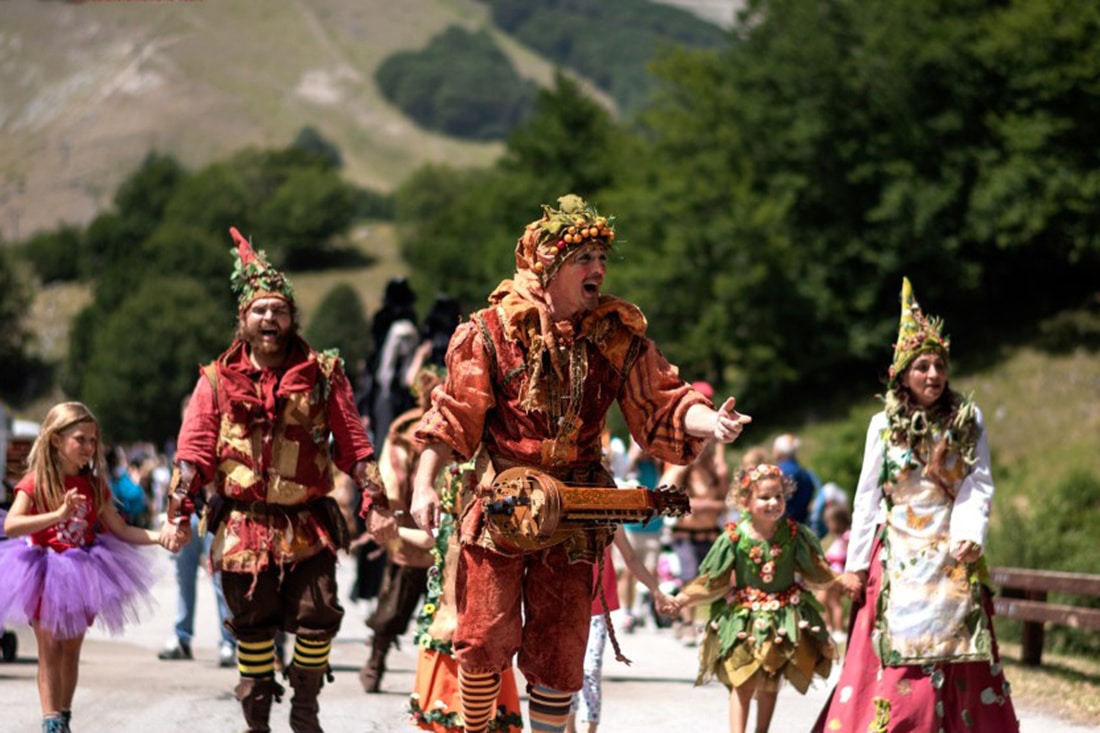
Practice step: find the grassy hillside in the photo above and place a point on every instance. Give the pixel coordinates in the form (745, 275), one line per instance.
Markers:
(87, 89)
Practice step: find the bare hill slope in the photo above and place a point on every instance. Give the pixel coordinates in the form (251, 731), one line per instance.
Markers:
(86, 89)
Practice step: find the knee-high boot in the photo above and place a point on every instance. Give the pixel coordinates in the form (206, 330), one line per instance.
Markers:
(307, 684)
(256, 695)
(370, 676)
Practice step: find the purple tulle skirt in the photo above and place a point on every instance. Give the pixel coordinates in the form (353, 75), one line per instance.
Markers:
(65, 592)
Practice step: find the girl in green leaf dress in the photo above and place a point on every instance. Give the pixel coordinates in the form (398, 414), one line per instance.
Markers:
(764, 625)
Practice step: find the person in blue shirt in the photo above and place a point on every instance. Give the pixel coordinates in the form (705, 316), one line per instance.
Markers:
(784, 449)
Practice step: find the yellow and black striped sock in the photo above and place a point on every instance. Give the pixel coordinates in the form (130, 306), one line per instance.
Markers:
(548, 709)
(256, 658)
(479, 694)
(312, 653)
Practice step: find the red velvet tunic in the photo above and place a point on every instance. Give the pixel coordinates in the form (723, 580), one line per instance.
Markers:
(554, 425)
(262, 436)
(479, 404)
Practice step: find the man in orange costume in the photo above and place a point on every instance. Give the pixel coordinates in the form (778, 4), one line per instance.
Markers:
(530, 380)
(258, 425)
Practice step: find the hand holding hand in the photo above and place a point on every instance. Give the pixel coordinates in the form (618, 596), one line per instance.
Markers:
(729, 423)
(668, 606)
(382, 526)
(169, 542)
(851, 584)
(183, 530)
(172, 536)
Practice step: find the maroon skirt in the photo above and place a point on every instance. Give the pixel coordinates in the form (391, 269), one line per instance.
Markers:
(913, 698)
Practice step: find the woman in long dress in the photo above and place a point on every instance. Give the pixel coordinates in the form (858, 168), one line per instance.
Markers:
(921, 654)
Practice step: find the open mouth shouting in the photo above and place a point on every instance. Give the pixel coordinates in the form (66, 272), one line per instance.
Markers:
(591, 287)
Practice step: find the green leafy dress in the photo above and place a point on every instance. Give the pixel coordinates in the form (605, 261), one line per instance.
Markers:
(763, 622)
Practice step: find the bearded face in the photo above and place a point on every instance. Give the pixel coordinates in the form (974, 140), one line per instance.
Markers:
(266, 325)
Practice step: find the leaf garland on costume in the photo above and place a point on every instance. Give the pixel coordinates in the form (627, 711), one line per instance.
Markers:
(438, 714)
(448, 494)
(917, 428)
(503, 720)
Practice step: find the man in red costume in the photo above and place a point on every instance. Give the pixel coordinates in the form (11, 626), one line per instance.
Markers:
(529, 383)
(258, 425)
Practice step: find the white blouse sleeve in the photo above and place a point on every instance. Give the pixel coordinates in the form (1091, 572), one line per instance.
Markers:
(970, 515)
(867, 511)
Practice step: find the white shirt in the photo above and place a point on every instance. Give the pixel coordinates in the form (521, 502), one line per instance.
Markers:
(969, 515)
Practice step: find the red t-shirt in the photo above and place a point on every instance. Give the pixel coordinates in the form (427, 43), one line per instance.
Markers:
(76, 531)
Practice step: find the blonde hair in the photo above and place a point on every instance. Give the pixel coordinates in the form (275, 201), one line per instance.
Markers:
(748, 478)
(44, 462)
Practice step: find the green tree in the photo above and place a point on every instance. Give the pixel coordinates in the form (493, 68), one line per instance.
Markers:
(793, 178)
(21, 373)
(109, 239)
(569, 141)
(213, 200)
(139, 203)
(55, 256)
(81, 335)
(341, 323)
(456, 226)
(310, 139)
(145, 193)
(461, 84)
(297, 224)
(145, 355)
(459, 227)
(610, 42)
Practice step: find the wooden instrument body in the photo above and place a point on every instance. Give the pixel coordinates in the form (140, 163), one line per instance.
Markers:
(527, 509)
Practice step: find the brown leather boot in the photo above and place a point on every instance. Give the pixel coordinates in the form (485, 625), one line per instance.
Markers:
(256, 696)
(307, 684)
(370, 676)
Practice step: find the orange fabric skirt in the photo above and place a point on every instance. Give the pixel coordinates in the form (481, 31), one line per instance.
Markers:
(437, 681)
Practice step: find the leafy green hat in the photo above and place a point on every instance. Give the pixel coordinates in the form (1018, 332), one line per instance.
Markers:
(254, 277)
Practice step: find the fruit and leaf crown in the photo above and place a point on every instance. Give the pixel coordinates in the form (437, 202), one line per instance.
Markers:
(574, 225)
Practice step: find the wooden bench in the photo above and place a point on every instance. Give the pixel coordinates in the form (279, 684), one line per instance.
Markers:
(1023, 597)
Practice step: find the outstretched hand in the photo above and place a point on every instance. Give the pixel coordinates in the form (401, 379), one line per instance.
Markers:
(729, 423)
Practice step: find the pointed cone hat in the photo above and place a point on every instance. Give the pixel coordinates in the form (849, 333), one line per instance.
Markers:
(917, 333)
(254, 277)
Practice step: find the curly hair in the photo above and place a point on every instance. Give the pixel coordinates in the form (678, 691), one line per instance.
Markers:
(747, 478)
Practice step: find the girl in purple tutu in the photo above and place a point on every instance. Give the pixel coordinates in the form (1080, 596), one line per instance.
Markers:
(78, 563)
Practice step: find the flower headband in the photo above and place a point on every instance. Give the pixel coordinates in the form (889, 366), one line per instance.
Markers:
(759, 473)
(763, 472)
